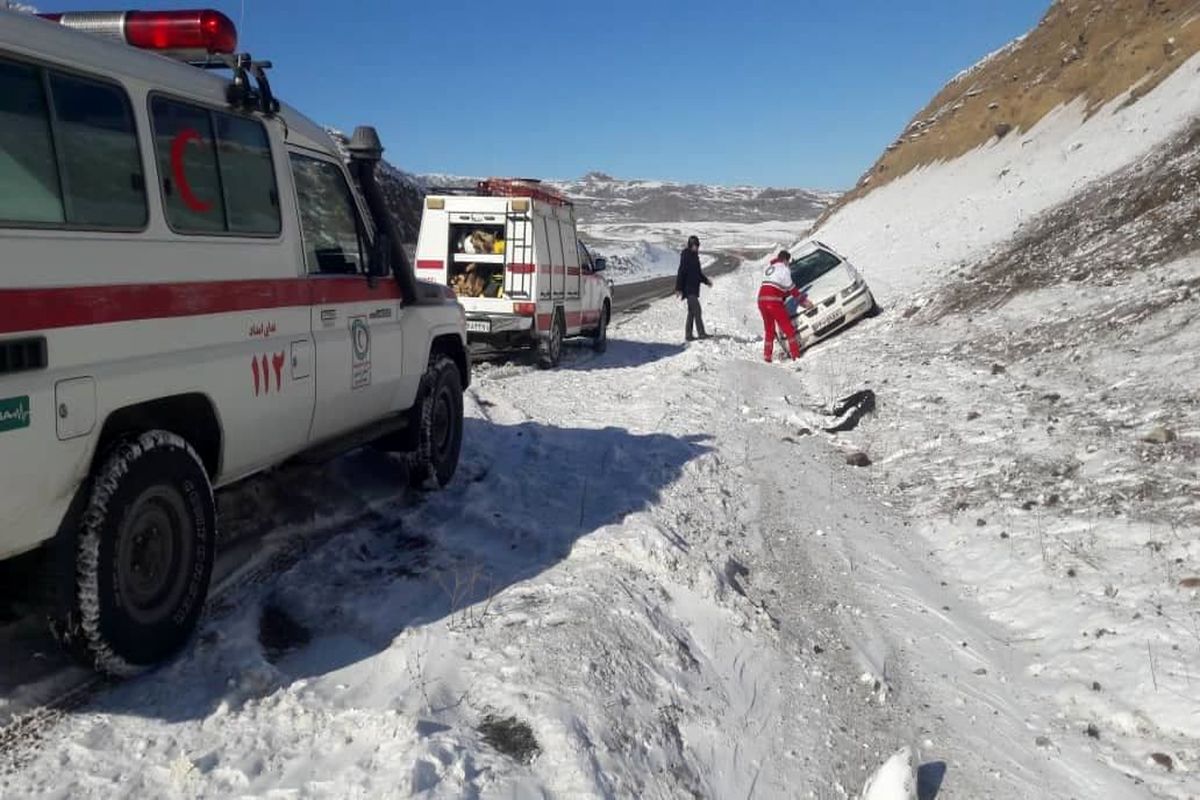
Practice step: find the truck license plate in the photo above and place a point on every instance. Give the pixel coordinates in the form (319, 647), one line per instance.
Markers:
(479, 326)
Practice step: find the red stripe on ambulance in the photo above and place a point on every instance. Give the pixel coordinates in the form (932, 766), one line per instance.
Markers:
(76, 306)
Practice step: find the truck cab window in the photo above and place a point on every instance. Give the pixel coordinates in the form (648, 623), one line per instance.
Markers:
(328, 218)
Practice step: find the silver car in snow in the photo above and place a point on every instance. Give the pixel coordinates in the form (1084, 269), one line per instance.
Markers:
(837, 290)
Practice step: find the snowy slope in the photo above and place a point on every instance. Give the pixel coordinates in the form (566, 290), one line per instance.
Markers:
(1039, 417)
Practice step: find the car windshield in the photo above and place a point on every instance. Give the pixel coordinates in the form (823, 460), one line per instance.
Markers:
(807, 269)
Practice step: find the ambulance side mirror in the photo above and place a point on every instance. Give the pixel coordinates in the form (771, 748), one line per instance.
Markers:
(599, 264)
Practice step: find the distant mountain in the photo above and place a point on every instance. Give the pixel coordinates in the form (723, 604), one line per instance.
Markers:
(601, 198)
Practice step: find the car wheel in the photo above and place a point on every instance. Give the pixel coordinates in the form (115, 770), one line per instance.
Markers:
(875, 310)
(439, 426)
(142, 557)
(600, 342)
(550, 347)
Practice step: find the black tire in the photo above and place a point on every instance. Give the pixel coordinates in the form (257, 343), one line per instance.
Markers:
(143, 555)
(875, 310)
(550, 347)
(439, 424)
(600, 340)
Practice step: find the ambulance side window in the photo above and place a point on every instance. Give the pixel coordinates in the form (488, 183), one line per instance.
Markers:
(187, 167)
(98, 152)
(247, 175)
(215, 171)
(328, 219)
(29, 190)
(77, 167)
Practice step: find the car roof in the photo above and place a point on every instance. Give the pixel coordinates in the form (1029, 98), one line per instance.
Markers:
(52, 43)
(811, 246)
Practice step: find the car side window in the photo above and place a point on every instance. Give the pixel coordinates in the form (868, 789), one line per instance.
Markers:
(77, 167)
(328, 218)
(215, 170)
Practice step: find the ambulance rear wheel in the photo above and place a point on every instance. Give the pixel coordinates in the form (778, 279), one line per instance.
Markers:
(143, 556)
(550, 347)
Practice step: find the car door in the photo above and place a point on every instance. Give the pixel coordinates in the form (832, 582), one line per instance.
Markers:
(355, 321)
(592, 289)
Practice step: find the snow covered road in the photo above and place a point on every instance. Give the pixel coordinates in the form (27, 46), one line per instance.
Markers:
(646, 581)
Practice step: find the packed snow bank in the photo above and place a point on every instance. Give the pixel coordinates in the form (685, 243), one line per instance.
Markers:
(645, 581)
(896, 779)
(907, 233)
(637, 261)
(638, 251)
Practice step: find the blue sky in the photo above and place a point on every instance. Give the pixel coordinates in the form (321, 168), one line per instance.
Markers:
(782, 93)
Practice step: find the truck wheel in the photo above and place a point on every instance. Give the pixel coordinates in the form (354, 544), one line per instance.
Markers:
(550, 347)
(439, 426)
(600, 342)
(143, 556)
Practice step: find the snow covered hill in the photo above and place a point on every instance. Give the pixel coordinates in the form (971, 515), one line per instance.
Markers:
(1082, 54)
(1039, 416)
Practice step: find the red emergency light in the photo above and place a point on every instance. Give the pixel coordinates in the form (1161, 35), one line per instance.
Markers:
(196, 31)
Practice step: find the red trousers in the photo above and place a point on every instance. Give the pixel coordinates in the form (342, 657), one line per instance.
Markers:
(775, 313)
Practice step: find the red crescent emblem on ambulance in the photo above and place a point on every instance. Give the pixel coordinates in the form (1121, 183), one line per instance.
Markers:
(178, 149)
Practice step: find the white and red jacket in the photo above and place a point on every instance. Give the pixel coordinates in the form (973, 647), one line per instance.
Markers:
(777, 284)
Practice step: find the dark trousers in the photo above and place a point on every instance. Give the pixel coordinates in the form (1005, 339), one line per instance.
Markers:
(695, 317)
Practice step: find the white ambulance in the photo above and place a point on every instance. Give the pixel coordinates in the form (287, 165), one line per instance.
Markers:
(193, 288)
(510, 251)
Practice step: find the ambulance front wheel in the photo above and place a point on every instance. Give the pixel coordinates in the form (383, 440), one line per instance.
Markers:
(439, 423)
(550, 346)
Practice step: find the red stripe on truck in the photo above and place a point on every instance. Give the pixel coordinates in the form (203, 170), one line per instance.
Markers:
(425, 264)
(75, 306)
(573, 318)
(522, 269)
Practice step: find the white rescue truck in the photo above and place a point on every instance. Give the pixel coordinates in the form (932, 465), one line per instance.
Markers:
(510, 251)
(193, 288)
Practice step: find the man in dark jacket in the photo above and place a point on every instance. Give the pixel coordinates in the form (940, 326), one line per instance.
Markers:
(687, 286)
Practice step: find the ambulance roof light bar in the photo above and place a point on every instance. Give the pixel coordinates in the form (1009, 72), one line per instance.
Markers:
(190, 33)
(201, 37)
